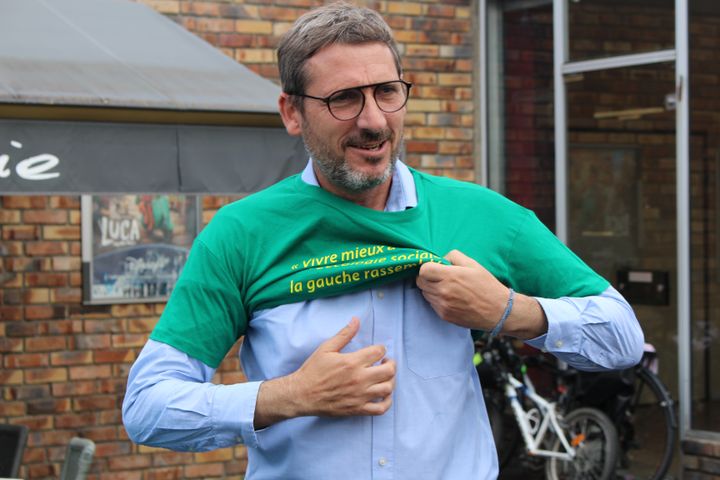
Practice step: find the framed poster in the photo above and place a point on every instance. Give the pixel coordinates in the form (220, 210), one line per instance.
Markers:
(135, 246)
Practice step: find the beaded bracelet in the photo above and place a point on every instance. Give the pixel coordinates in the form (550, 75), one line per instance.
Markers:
(505, 315)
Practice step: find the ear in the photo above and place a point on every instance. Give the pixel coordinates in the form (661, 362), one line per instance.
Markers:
(291, 116)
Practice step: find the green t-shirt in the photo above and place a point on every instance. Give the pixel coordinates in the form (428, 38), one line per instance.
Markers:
(294, 241)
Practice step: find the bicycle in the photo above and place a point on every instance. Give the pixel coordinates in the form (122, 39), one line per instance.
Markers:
(580, 445)
(640, 407)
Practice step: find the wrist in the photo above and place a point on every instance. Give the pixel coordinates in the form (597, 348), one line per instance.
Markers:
(527, 319)
(278, 399)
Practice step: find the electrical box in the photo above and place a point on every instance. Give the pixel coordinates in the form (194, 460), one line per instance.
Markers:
(643, 287)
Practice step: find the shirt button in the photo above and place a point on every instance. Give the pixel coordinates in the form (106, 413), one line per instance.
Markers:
(381, 295)
(382, 461)
(559, 343)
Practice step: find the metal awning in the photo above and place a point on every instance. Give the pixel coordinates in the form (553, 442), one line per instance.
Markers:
(127, 100)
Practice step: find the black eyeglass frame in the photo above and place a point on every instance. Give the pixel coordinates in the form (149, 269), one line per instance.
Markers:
(326, 100)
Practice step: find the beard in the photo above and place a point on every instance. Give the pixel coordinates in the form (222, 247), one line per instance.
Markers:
(338, 172)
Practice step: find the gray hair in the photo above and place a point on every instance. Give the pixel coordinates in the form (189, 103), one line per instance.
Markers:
(331, 24)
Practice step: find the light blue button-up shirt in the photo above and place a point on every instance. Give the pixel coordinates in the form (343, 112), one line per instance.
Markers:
(437, 426)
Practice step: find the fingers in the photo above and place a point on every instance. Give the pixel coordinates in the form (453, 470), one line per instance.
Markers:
(431, 272)
(368, 355)
(342, 338)
(456, 257)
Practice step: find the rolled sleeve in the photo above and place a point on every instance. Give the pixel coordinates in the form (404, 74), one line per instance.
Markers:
(592, 333)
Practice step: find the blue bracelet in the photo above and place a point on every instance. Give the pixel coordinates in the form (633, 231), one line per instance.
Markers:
(505, 315)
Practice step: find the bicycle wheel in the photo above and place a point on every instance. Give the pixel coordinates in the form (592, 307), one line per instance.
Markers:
(594, 438)
(648, 431)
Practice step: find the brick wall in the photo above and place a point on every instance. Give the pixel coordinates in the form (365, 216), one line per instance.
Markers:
(64, 365)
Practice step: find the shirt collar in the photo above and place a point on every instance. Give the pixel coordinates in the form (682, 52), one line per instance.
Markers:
(402, 190)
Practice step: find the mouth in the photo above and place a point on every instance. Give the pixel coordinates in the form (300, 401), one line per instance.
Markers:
(369, 147)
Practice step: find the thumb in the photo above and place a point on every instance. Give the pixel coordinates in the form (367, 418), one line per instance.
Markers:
(342, 338)
(456, 257)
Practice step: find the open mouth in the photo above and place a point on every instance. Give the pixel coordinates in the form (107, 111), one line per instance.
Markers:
(370, 146)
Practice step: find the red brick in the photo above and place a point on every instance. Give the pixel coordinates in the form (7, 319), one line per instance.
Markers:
(64, 232)
(44, 375)
(92, 342)
(94, 403)
(11, 313)
(26, 360)
(205, 470)
(103, 434)
(129, 461)
(21, 329)
(25, 264)
(25, 392)
(75, 420)
(66, 264)
(112, 449)
(86, 372)
(10, 345)
(11, 377)
(69, 202)
(20, 201)
(75, 249)
(9, 216)
(221, 455)
(48, 405)
(20, 232)
(66, 295)
(129, 475)
(129, 340)
(43, 471)
(11, 409)
(87, 387)
(36, 295)
(110, 417)
(169, 473)
(34, 455)
(72, 358)
(45, 216)
(47, 279)
(114, 356)
(141, 325)
(175, 458)
(58, 327)
(42, 312)
(108, 325)
(45, 344)
(133, 310)
(50, 438)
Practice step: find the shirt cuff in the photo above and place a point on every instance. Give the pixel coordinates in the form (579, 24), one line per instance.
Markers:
(564, 333)
(234, 411)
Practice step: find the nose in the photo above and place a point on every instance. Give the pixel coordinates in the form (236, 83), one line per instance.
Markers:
(371, 117)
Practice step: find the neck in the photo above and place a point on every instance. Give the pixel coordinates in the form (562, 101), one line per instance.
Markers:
(374, 198)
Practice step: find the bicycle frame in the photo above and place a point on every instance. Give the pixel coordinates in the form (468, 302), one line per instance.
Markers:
(533, 441)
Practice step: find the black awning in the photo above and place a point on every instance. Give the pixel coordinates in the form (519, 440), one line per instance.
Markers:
(109, 96)
(82, 157)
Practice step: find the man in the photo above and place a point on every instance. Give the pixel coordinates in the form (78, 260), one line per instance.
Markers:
(357, 342)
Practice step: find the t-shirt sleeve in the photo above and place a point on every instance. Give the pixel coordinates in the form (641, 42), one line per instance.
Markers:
(205, 314)
(541, 265)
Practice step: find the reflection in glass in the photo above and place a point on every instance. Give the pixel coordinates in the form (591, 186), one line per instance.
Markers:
(621, 200)
(608, 28)
(705, 212)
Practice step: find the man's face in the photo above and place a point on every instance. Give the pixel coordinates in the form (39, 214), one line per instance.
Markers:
(351, 155)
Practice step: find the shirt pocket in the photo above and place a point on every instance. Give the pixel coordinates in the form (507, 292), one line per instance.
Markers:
(433, 347)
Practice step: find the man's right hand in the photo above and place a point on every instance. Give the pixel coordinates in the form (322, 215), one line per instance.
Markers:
(331, 383)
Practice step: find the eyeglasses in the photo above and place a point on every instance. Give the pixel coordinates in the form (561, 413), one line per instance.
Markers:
(348, 104)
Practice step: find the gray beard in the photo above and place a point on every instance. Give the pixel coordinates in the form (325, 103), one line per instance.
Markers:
(347, 179)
